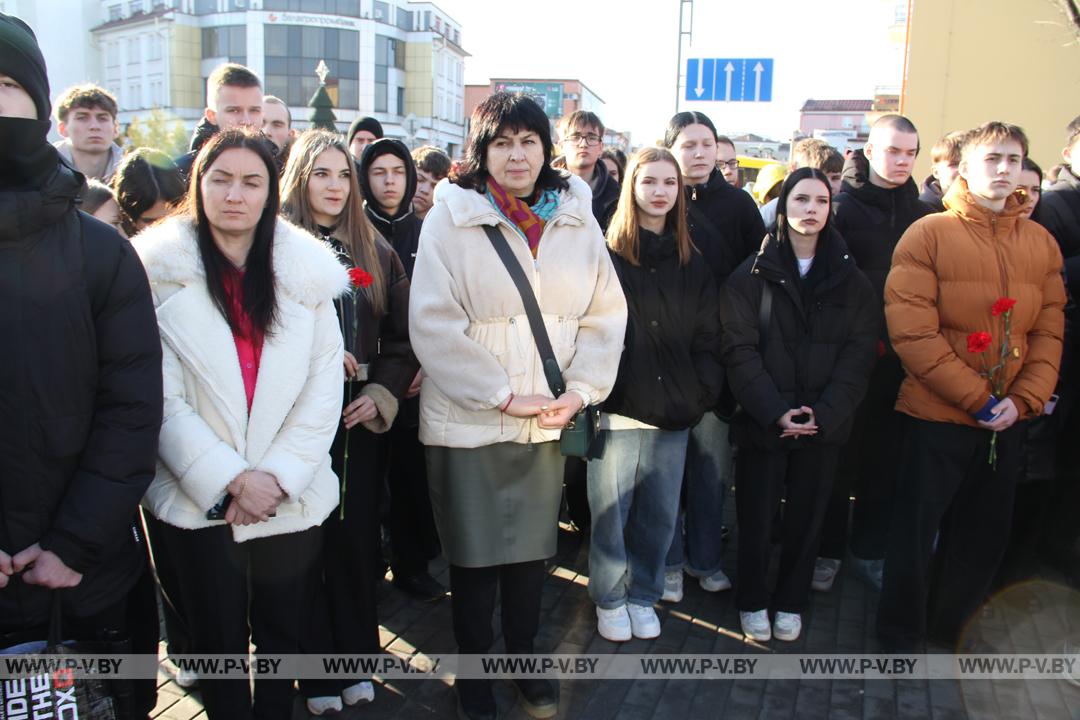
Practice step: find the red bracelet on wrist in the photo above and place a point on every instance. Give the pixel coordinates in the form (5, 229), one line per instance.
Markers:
(502, 408)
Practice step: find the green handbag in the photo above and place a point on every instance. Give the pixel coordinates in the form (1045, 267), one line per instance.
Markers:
(578, 438)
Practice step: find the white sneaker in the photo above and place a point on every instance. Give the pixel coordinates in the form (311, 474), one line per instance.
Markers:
(672, 586)
(713, 583)
(643, 621)
(614, 624)
(361, 692)
(755, 625)
(787, 626)
(825, 572)
(324, 705)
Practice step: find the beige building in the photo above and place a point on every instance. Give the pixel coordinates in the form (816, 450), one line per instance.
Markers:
(970, 61)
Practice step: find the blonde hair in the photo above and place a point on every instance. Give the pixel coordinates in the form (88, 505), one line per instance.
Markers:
(353, 229)
(623, 235)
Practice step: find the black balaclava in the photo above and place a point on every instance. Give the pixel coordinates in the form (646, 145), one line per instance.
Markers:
(27, 159)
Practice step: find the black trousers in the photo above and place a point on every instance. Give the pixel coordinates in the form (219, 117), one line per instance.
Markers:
(412, 526)
(344, 587)
(867, 470)
(473, 605)
(224, 587)
(804, 477)
(947, 483)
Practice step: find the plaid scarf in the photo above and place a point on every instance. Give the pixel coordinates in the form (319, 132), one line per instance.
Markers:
(529, 220)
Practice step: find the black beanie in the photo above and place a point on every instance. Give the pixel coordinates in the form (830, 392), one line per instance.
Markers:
(370, 124)
(21, 60)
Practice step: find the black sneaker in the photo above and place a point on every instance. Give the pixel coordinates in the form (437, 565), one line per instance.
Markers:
(475, 700)
(539, 698)
(420, 586)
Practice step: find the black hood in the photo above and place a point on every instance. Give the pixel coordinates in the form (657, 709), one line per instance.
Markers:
(373, 152)
(860, 187)
(203, 132)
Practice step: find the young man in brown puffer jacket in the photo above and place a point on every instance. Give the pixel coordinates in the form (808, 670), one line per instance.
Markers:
(953, 275)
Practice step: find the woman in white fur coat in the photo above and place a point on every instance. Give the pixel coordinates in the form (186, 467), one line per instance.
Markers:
(487, 415)
(252, 375)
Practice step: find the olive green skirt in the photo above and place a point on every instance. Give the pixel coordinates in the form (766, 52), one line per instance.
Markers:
(497, 504)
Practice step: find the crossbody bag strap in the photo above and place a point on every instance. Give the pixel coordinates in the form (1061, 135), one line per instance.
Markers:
(532, 309)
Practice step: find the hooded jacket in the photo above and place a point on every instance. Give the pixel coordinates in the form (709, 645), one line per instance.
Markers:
(820, 346)
(670, 372)
(725, 224)
(931, 194)
(948, 271)
(468, 325)
(116, 154)
(1059, 212)
(402, 230)
(80, 396)
(871, 220)
(204, 130)
(209, 436)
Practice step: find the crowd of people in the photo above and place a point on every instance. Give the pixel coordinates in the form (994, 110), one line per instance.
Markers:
(250, 380)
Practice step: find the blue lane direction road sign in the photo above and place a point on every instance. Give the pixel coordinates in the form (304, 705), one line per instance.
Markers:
(729, 79)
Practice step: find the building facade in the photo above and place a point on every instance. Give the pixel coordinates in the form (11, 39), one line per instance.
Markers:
(400, 62)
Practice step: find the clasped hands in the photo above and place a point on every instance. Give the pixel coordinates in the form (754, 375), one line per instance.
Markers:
(550, 414)
(792, 429)
(38, 567)
(256, 496)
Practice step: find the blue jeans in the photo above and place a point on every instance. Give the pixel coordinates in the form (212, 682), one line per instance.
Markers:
(634, 499)
(708, 469)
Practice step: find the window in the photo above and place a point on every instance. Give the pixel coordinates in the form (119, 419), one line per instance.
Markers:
(134, 54)
(135, 7)
(427, 20)
(112, 54)
(155, 44)
(348, 8)
(380, 12)
(226, 41)
(404, 19)
(292, 54)
(401, 101)
(115, 12)
(134, 99)
(849, 122)
(156, 90)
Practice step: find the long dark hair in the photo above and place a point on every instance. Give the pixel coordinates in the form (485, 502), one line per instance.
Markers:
(793, 179)
(144, 177)
(506, 111)
(680, 120)
(260, 303)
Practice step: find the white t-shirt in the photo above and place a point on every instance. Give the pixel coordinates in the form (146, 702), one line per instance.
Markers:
(804, 265)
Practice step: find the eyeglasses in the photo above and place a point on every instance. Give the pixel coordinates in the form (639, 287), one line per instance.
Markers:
(730, 164)
(591, 140)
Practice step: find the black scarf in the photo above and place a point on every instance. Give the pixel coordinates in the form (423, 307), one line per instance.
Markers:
(27, 160)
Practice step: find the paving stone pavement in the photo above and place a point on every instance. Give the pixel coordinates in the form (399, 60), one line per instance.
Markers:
(1036, 615)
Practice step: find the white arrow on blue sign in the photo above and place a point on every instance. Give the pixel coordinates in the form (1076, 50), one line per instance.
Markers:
(729, 79)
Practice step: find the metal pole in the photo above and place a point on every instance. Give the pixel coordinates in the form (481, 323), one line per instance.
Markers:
(688, 32)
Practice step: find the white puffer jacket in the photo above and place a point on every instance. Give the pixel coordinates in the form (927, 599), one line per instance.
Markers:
(468, 327)
(207, 437)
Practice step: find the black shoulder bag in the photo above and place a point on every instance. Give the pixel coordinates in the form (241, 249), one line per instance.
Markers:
(578, 437)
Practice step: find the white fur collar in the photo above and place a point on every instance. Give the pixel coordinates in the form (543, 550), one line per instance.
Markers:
(468, 207)
(305, 268)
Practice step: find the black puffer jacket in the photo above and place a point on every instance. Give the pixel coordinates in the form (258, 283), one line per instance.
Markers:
(931, 194)
(80, 397)
(204, 130)
(871, 220)
(402, 230)
(1059, 212)
(733, 230)
(605, 197)
(820, 347)
(670, 372)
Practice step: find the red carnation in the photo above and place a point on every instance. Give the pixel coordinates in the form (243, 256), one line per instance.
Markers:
(360, 277)
(979, 342)
(1002, 305)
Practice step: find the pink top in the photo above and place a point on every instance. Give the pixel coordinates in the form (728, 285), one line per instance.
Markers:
(248, 341)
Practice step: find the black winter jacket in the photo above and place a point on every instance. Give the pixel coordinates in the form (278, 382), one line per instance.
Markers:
(379, 341)
(670, 372)
(1059, 212)
(605, 197)
(402, 230)
(931, 194)
(871, 220)
(734, 228)
(80, 398)
(820, 347)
